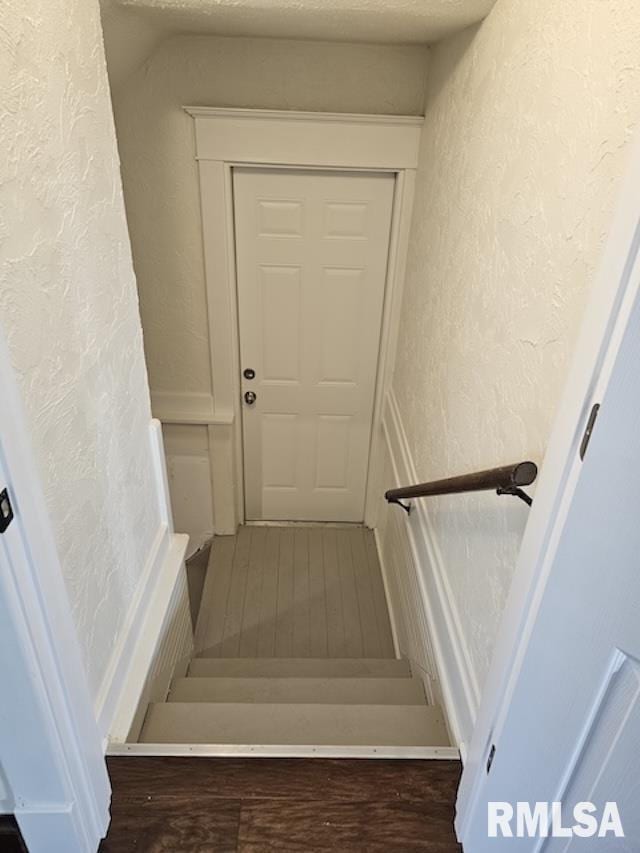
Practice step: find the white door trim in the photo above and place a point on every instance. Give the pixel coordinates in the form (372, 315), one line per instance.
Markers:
(608, 311)
(65, 804)
(231, 137)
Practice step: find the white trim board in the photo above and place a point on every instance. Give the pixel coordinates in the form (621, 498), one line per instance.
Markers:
(344, 140)
(132, 656)
(187, 407)
(393, 615)
(109, 695)
(281, 139)
(445, 753)
(237, 113)
(134, 672)
(170, 649)
(460, 690)
(65, 804)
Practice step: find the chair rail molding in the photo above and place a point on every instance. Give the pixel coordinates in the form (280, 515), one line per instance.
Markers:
(225, 138)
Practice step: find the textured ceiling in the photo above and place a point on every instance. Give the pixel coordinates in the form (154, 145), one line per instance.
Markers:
(133, 27)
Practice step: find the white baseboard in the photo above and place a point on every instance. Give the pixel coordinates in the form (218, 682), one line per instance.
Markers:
(123, 652)
(171, 635)
(138, 649)
(409, 620)
(439, 616)
(133, 653)
(391, 603)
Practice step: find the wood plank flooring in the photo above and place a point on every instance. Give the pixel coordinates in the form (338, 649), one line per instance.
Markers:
(11, 840)
(295, 592)
(184, 805)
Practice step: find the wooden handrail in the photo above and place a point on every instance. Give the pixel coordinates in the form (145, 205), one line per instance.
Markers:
(506, 480)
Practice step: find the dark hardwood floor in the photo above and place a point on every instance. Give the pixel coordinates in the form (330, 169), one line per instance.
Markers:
(10, 836)
(184, 805)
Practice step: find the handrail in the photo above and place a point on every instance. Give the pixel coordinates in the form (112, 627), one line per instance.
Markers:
(506, 480)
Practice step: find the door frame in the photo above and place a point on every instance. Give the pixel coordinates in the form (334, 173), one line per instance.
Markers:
(226, 138)
(615, 291)
(65, 804)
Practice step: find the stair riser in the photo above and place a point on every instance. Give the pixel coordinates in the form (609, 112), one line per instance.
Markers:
(321, 725)
(346, 691)
(298, 668)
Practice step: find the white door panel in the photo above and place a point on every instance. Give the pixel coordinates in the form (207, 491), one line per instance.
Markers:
(311, 259)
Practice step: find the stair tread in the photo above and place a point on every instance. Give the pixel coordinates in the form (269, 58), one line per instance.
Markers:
(294, 724)
(359, 691)
(298, 667)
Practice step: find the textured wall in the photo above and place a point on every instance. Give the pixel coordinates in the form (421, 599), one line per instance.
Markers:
(68, 308)
(527, 124)
(156, 145)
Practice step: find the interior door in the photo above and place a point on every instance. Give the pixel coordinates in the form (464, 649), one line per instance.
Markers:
(311, 265)
(572, 729)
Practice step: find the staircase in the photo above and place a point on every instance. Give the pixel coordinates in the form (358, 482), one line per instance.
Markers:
(297, 702)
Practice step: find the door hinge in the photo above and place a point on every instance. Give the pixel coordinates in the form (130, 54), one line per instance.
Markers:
(6, 510)
(492, 755)
(586, 438)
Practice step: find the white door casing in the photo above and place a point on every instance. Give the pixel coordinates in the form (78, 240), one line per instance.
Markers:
(311, 257)
(49, 741)
(228, 138)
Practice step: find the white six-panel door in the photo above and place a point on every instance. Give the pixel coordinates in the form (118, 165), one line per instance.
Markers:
(311, 264)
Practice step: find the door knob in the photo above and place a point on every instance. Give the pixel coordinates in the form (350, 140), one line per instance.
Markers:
(249, 398)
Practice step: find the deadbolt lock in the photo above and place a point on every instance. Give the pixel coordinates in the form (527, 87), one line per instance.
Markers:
(249, 373)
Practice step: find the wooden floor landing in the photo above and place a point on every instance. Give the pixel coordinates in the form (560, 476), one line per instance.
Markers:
(184, 805)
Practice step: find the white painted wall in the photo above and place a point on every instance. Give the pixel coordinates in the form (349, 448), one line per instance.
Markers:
(528, 122)
(129, 38)
(69, 310)
(156, 141)
(156, 144)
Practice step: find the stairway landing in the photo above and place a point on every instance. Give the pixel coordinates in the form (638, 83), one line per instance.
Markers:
(295, 592)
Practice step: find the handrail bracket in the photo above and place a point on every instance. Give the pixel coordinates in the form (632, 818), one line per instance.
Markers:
(517, 492)
(405, 507)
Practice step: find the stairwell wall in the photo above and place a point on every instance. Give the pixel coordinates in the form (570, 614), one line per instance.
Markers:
(68, 307)
(528, 123)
